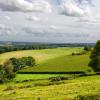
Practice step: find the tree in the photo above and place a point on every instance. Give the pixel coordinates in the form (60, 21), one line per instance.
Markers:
(15, 64)
(95, 58)
(87, 48)
(6, 72)
(2, 74)
(8, 68)
(30, 61)
(22, 62)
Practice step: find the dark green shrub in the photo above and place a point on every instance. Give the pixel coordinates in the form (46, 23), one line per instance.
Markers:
(11, 75)
(58, 78)
(15, 64)
(81, 53)
(87, 48)
(95, 58)
(73, 54)
(22, 62)
(6, 72)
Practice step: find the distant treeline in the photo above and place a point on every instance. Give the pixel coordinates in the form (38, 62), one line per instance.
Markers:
(47, 44)
(6, 48)
(15, 46)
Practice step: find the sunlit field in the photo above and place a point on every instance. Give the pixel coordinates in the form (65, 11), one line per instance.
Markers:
(46, 90)
(56, 60)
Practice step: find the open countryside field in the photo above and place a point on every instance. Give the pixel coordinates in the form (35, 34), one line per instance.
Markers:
(52, 60)
(23, 77)
(50, 86)
(46, 90)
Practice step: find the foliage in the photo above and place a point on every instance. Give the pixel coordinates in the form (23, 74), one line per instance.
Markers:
(9, 68)
(95, 58)
(82, 88)
(22, 62)
(84, 52)
(2, 74)
(62, 64)
(10, 48)
(6, 72)
(52, 60)
(58, 78)
(87, 48)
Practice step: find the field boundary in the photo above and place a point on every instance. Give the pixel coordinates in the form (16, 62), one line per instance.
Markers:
(78, 72)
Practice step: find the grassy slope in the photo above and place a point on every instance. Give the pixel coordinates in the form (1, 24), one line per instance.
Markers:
(51, 58)
(70, 89)
(58, 59)
(40, 55)
(62, 64)
(22, 77)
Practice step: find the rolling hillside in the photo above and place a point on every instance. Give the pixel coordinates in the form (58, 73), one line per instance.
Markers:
(45, 90)
(52, 60)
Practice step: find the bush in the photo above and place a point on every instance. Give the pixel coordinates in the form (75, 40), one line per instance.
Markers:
(11, 76)
(6, 72)
(15, 64)
(73, 54)
(58, 78)
(2, 74)
(87, 48)
(80, 53)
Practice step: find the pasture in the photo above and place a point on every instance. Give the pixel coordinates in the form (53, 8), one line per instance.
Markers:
(52, 60)
(40, 86)
(45, 90)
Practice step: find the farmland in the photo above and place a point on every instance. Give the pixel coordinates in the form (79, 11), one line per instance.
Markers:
(45, 90)
(51, 86)
(56, 60)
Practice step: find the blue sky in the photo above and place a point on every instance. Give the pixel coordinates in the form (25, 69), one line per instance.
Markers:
(50, 20)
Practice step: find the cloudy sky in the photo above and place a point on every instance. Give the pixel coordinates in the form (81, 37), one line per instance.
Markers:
(50, 20)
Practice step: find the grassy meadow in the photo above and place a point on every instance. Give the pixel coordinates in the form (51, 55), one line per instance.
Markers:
(47, 90)
(52, 60)
(41, 86)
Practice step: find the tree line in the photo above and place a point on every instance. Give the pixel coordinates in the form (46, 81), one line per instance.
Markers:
(4, 48)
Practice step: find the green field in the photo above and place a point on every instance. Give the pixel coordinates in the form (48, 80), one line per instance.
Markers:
(22, 77)
(65, 90)
(41, 86)
(52, 60)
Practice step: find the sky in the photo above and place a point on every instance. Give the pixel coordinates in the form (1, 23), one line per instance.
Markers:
(56, 21)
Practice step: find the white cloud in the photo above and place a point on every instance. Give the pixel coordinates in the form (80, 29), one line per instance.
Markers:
(5, 30)
(80, 21)
(7, 17)
(2, 26)
(33, 18)
(53, 27)
(72, 8)
(89, 20)
(25, 5)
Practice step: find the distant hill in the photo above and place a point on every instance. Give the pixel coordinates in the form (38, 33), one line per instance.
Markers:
(4, 43)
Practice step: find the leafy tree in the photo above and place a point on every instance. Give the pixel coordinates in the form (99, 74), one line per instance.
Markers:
(6, 72)
(2, 74)
(15, 64)
(87, 48)
(30, 61)
(22, 62)
(9, 73)
(95, 58)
